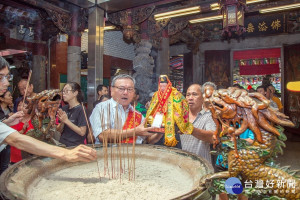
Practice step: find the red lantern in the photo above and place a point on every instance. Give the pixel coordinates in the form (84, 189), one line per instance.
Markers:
(233, 16)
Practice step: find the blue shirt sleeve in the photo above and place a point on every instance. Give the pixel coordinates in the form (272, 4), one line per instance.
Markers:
(247, 134)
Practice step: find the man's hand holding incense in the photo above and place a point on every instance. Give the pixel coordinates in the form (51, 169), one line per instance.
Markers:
(14, 119)
(80, 153)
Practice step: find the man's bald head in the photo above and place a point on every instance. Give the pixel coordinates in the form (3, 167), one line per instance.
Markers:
(196, 86)
(194, 97)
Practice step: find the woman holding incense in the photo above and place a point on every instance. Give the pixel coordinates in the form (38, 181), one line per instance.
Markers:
(23, 127)
(73, 125)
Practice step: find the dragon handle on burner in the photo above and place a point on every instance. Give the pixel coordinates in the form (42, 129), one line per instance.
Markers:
(234, 111)
(44, 106)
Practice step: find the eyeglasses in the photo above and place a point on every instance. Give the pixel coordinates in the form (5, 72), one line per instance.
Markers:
(3, 77)
(123, 89)
(66, 91)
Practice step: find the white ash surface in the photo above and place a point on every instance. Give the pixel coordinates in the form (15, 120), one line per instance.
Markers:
(153, 180)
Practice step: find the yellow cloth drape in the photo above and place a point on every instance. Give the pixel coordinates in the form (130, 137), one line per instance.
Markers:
(175, 110)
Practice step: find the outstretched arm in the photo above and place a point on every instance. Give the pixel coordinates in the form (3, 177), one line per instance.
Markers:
(204, 135)
(31, 145)
(14, 119)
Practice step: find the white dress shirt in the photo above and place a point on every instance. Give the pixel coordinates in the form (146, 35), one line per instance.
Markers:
(109, 115)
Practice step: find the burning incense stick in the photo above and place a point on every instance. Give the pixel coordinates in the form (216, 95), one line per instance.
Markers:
(13, 91)
(133, 144)
(132, 161)
(90, 133)
(27, 85)
(104, 135)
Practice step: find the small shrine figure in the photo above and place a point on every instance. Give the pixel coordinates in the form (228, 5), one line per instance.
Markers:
(168, 108)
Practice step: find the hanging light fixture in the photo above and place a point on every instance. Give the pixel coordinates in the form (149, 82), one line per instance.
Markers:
(280, 8)
(206, 19)
(216, 6)
(106, 28)
(233, 16)
(254, 1)
(177, 13)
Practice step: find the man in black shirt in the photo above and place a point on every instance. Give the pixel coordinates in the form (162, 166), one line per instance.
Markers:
(101, 90)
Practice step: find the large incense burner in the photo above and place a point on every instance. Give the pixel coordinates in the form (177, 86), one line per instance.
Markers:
(160, 173)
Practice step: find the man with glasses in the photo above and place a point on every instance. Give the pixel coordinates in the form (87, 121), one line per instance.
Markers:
(31, 145)
(116, 118)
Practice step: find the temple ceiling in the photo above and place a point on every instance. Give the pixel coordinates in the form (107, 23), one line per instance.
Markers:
(136, 18)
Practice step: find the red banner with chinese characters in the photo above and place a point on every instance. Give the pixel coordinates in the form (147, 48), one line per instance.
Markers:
(257, 53)
(259, 69)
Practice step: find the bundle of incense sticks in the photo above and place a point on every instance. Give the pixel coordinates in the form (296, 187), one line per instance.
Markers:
(27, 85)
(91, 135)
(118, 152)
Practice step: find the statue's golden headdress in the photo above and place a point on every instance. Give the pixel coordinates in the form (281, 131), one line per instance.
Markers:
(163, 79)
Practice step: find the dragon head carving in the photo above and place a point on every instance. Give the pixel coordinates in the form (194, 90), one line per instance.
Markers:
(235, 110)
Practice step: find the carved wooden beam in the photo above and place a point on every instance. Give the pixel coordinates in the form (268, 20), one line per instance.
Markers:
(141, 14)
(118, 18)
(156, 26)
(130, 20)
(176, 26)
(60, 16)
(45, 5)
(61, 20)
(83, 20)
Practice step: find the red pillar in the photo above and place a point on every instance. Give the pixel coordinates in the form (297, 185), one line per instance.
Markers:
(74, 35)
(74, 50)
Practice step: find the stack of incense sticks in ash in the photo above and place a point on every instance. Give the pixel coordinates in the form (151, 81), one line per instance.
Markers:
(116, 153)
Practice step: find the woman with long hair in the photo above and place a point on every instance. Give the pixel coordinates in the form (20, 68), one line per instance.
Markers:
(72, 121)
